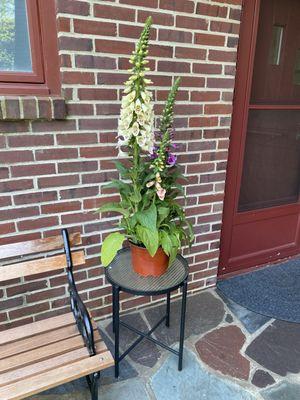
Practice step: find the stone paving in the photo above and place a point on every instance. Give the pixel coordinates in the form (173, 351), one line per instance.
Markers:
(231, 353)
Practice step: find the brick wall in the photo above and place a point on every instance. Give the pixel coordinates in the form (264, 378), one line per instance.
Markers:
(52, 172)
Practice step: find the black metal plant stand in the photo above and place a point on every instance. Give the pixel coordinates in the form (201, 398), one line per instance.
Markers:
(122, 278)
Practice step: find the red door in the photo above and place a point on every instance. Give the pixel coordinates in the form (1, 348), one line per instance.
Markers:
(262, 207)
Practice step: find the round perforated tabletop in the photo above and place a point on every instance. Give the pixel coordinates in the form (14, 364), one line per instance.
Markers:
(120, 273)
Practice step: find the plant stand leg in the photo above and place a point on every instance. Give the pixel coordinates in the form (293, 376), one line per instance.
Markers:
(113, 313)
(182, 324)
(168, 309)
(116, 311)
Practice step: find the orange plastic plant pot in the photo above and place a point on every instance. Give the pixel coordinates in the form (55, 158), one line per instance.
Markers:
(146, 265)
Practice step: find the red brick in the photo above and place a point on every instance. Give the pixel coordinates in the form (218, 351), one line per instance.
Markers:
(58, 181)
(211, 10)
(39, 223)
(203, 121)
(191, 23)
(207, 69)
(95, 152)
(33, 170)
(141, 3)
(29, 108)
(95, 62)
(53, 126)
(16, 185)
(56, 154)
(35, 198)
(111, 79)
(192, 53)
(58, 208)
(227, 27)
(10, 303)
(175, 36)
(7, 228)
(12, 108)
(73, 7)
(220, 83)
(45, 295)
(113, 46)
(96, 124)
(178, 5)
(63, 24)
(158, 18)
(75, 44)
(209, 40)
(95, 27)
(76, 138)
(5, 201)
(218, 109)
(13, 127)
(170, 66)
(219, 55)
(30, 140)
(114, 12)
(4, 172)
(78, 78)
(79, 166)
(79, 192)
(97, 94)
(26, 287)
(134, 31)
(30, 310)
(205, 96)
(13, 157)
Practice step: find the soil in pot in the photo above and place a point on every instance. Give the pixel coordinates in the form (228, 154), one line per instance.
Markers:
(145, 265)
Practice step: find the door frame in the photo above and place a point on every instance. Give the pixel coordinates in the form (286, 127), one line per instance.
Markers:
(242, 92)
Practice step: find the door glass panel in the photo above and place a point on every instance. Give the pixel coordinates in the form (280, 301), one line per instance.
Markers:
(272, 159)
(277, 53)
(14, 37)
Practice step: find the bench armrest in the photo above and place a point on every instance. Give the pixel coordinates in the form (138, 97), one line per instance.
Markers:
(79, 310)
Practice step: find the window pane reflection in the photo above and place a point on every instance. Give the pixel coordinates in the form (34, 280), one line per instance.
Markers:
(14, 36)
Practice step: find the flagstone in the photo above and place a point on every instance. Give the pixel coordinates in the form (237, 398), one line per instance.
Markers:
(220, 349)
(262, 379)
(277, 348)
(204, 312)
(283, 391)
(193, 382)
(251, 320)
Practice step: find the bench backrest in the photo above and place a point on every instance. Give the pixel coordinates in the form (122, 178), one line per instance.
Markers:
(11, 252)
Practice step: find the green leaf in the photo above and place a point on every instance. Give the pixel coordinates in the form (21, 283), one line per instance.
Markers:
(175, 247)
(135, 197)
(115, 207)
(115, 184)
(111, 245)
(163, 212)
(166, 242)
(148, 218)
(149, 238)
(124, 172)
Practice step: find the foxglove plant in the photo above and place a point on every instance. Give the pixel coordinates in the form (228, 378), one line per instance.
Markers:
(148, 187)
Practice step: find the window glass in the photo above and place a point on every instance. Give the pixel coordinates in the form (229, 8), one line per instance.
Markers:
(14, 37)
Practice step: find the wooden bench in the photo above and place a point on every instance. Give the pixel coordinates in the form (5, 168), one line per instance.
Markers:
(47, 353)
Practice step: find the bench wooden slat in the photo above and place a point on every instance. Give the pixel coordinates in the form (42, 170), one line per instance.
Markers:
(40, 354)
(37, 246)
(34, 342)
(46, 365)
(33, 267)
(40, 340)
(34, 328)
(55, 377)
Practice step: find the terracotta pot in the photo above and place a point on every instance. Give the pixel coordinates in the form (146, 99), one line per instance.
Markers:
(146, 265)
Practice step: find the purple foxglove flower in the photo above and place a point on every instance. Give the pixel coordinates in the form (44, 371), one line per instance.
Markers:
(172, 158)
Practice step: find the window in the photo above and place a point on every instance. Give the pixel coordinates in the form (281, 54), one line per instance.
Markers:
(29, 61)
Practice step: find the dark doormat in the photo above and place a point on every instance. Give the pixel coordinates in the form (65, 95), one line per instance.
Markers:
(273, 291)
